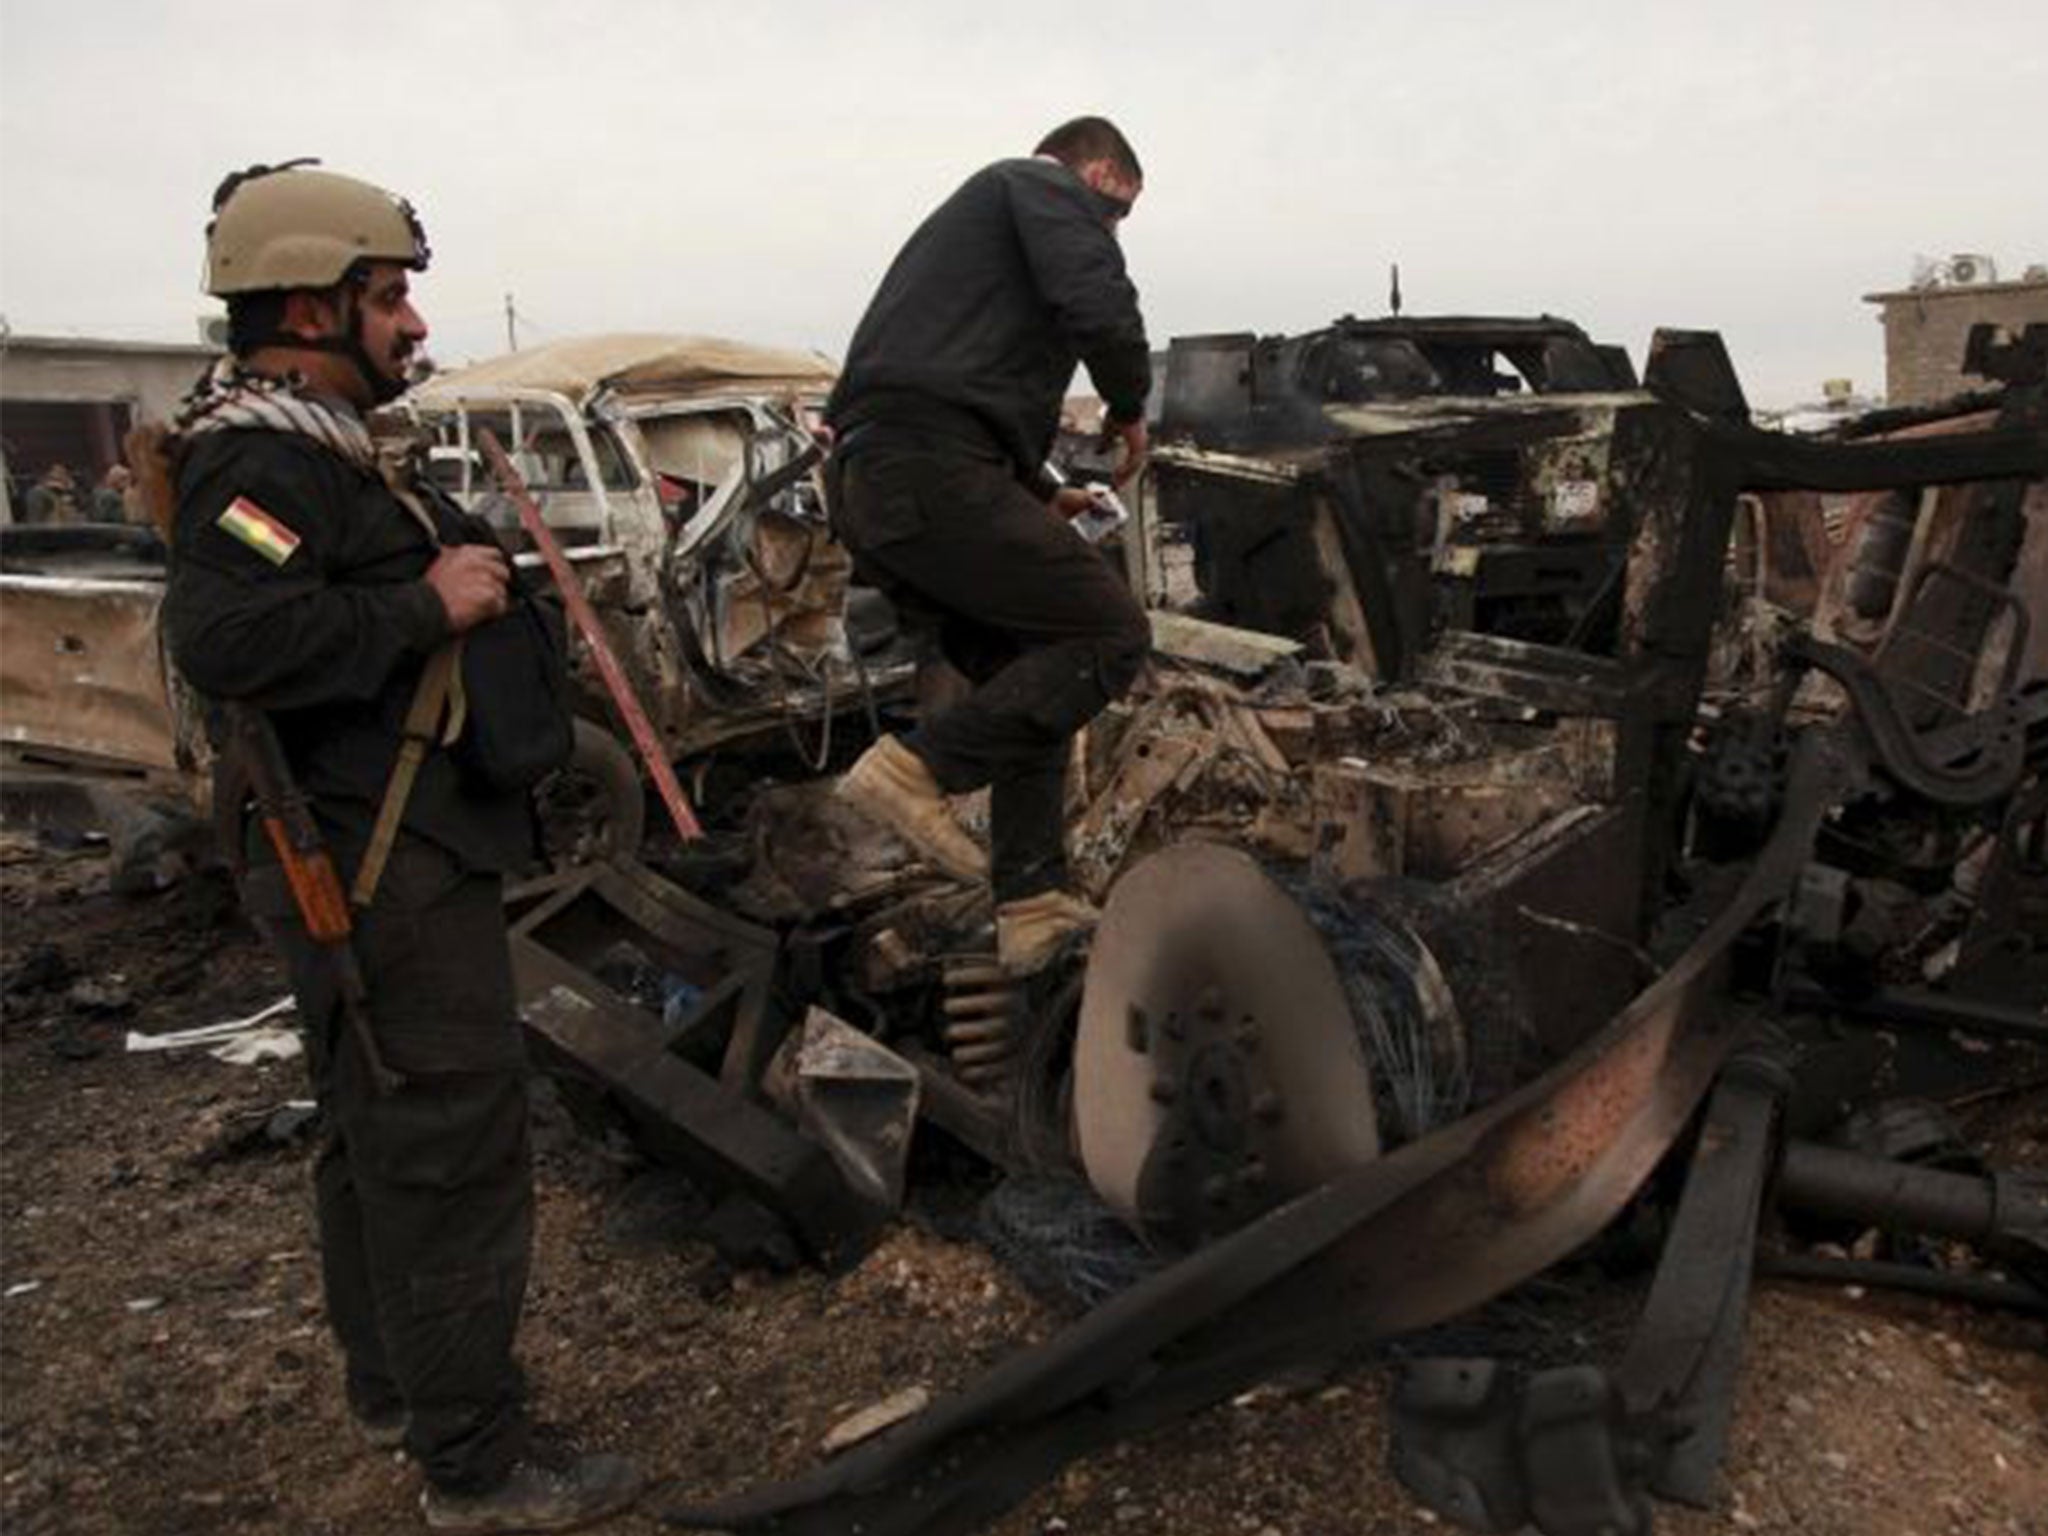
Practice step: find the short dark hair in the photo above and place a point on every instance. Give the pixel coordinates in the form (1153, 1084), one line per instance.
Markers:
(254, 319)
(257, 319)
(1083, 139)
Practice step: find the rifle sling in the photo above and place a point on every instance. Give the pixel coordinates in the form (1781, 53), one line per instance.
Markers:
(440, 685)
(439, 691)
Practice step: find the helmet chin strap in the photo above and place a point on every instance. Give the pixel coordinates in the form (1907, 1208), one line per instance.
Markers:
(349, 344)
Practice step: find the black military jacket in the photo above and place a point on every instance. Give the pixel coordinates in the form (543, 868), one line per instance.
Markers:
(296, 585)
(987, 309)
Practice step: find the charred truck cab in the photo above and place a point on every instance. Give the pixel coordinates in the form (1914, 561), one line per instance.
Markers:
(677, 472)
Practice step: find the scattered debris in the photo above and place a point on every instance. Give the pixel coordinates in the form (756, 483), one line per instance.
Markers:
(42, 969)
(873, 1419)
(858, 1098)
(285, 1126)
(209, 1034)
(102, 996)
(1513, 608)
(1488, 787)
(256, 1047)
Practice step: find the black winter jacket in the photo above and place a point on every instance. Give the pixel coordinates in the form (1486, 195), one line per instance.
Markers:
(330, 639)
(977, 327)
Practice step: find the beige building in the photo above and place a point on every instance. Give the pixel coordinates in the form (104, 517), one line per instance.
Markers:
(71, 399)
(1925, 329)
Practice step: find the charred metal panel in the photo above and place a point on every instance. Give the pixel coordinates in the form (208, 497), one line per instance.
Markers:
(1932, 649)
(82, 671)
(1692, 369)
(1208, 380)
(1396, 820)
(1255, 552)
(1239, 392)
(664, 1069)
(1687, 1348)
(1564, 920)
(1671, 596)
(1429, 518)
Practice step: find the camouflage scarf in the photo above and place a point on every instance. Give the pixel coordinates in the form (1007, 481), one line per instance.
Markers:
(232, 397)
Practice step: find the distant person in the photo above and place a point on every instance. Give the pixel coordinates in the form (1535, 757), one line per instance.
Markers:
(53, 499)
(113, 499)
(943, 418)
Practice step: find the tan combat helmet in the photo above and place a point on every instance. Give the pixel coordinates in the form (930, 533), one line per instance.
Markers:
(279, 227)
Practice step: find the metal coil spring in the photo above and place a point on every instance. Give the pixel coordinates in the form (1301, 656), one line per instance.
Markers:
(981, 1006)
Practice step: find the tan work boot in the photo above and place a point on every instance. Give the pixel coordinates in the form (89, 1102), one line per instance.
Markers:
(538, 1497)
(1030, 931)
(891, 785)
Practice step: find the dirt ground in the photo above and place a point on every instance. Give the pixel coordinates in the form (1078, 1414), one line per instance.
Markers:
(164, 1366)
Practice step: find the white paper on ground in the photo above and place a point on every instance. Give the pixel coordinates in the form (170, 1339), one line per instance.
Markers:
(259, 1045)
(206, 1034)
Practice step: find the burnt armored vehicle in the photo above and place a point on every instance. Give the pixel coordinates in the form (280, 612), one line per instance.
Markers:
(1535, 831)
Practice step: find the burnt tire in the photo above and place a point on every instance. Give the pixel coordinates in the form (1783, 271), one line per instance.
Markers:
(594, 808)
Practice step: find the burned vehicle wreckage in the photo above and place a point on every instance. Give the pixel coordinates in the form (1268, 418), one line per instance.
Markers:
(1488, 834)
(1551, 797)
(1538, 776)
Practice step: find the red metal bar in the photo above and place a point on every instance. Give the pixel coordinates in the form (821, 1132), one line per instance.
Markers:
(584, 617)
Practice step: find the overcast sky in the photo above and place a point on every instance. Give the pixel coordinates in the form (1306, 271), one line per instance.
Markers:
(749, 169)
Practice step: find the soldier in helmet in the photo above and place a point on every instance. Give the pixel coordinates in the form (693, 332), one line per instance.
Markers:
(319, 585)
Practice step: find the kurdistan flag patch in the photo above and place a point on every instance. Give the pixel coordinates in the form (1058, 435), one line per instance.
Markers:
(259, 530)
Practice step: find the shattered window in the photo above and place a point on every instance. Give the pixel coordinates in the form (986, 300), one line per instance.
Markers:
(692, 453)
(703, 446)
(540, 446)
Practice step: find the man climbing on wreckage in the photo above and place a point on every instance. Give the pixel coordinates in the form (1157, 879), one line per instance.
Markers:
(943, 417)
(317, 597)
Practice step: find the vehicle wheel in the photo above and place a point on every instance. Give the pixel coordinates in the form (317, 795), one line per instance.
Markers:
(1217, 1071)
(594, 808)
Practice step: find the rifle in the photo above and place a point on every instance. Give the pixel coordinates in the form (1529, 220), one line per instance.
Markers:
(308, 869)
(149, 460)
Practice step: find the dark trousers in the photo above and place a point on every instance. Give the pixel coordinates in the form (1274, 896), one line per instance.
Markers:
(424, 1194)
(1033, 616)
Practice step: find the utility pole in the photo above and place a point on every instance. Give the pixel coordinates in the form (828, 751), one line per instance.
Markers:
(511, 326)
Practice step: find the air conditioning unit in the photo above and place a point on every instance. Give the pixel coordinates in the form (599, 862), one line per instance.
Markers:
(213, 331)
(1968, 267)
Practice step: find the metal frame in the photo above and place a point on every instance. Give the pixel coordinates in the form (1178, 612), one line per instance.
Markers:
(712, 1123)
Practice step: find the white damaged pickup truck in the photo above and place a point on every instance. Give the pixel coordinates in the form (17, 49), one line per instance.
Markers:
(678, 473)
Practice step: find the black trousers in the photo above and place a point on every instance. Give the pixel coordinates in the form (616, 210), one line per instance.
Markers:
(424, 1194)
(1033, 616)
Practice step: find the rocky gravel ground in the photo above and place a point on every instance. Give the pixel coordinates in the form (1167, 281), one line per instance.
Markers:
(165, 1368)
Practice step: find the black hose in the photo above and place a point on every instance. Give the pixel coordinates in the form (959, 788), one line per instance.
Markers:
(1878, 1192)
(1980, 1289)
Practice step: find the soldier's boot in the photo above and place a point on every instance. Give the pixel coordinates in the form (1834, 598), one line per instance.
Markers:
(384, 1428)
(1031, 930)
(890, 784)
(378, 1411)
(538, 1496)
